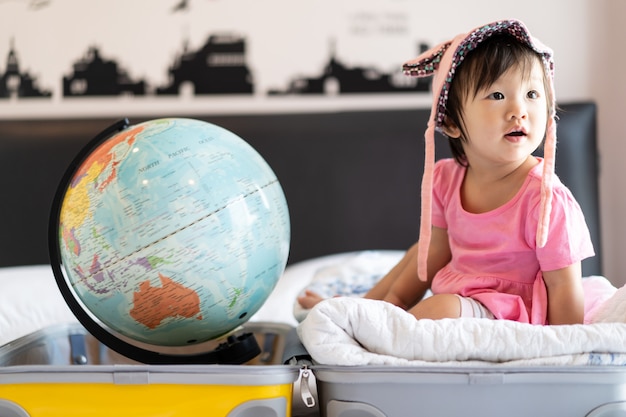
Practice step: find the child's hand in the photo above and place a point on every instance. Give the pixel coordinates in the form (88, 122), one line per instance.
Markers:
(309, 299)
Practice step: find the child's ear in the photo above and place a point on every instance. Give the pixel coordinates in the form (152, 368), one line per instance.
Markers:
(450, 128)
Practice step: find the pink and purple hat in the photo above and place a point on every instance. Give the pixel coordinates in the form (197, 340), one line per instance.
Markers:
(441, 62)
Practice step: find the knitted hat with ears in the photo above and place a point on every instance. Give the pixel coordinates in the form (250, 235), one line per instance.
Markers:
(441, 62)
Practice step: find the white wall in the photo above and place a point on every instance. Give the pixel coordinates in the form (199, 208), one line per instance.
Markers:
(607, 80)
(285, 38)
(586, 35)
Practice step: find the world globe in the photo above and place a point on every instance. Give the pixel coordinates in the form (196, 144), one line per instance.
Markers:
(168, 233)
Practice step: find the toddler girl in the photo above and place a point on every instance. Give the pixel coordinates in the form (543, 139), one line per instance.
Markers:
(501, 237)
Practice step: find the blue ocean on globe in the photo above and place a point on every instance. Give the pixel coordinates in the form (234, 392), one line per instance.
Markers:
(173, 232)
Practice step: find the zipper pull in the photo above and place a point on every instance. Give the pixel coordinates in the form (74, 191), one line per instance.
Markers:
(305, 391)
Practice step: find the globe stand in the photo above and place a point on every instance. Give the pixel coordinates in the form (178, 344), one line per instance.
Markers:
(237, 349)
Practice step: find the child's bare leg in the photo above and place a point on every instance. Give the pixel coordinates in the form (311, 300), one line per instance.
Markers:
(439, 306)
(309, 299)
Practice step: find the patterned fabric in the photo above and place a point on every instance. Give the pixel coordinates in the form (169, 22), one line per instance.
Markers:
(428, 63)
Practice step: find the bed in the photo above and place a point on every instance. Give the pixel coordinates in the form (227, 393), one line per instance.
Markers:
(351, 180)
(352, 185)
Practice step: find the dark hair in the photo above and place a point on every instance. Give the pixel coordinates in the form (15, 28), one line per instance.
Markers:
(480, 69)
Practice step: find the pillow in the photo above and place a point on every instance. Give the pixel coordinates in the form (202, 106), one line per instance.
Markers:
(29, 301)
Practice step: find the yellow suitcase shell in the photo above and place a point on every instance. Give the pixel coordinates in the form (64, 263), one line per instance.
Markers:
(146, 391)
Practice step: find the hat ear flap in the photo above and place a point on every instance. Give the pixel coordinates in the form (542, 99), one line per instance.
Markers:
(427, 62)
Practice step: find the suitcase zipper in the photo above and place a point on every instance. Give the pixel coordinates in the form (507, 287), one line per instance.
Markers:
(305, 391)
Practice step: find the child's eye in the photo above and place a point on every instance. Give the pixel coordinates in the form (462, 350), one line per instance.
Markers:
(496, 96)
(533, 94)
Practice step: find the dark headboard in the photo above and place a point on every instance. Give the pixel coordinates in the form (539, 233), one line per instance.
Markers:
(351, 178)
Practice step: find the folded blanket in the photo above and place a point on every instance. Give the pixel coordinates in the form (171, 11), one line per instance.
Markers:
(354, 331)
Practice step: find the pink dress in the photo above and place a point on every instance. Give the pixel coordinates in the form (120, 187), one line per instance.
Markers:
(494, 256)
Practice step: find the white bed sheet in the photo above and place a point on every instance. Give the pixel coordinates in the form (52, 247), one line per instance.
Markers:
(30, 299)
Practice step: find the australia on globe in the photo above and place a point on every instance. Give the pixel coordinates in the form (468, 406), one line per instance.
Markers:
(172, 232)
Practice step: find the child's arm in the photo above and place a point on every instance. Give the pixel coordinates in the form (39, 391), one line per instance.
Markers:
(406, 265)
(401, 286)
(565, 295)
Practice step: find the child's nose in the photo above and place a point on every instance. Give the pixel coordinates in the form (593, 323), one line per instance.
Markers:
(517, 109)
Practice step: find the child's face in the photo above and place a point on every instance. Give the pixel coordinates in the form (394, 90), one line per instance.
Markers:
(506, 121)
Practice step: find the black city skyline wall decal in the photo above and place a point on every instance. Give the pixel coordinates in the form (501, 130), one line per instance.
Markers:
(219, 67)
(217, 62)
(17, 82)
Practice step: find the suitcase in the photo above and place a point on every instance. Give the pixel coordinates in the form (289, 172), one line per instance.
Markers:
(71, 344)
(146, 390)
(452, 391)
(579, 391)
(65, 371)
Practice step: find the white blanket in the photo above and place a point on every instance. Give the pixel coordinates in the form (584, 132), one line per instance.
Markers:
(354, 331)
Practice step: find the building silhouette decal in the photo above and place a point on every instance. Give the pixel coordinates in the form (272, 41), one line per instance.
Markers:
(96, 76)
(218, 67)
(14, 83)
(338, 78)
